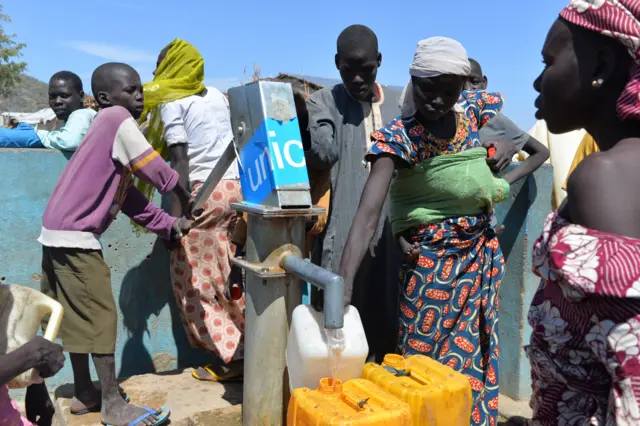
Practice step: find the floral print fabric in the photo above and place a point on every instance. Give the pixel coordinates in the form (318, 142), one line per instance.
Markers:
(407, 139)
(585, 346)
(449, 305)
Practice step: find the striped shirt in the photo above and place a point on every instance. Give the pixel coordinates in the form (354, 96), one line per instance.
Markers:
(97, 183)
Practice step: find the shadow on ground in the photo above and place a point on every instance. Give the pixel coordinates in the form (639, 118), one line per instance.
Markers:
(513, 421)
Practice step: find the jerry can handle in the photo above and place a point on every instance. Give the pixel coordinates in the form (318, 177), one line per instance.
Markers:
(409, 372)
(53, 327)
(353, 401)
(423, 380)
(50, 334)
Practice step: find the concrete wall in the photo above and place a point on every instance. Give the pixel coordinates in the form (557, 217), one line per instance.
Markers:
(523, 216)
(150, 334)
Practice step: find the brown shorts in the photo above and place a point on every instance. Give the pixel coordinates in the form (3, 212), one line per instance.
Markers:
(81, 281)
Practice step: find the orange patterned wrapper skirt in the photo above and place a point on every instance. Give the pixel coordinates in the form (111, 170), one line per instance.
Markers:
(200, 269)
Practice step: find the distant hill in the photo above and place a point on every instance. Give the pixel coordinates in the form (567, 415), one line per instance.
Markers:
(29, 96)
(32, 95)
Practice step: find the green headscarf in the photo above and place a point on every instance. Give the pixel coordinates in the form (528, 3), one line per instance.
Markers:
(179, 75)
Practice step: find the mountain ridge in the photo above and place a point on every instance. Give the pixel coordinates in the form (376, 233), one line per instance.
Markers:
(30, 95)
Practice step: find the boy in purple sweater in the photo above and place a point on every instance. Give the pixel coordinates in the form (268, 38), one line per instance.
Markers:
(95, 185)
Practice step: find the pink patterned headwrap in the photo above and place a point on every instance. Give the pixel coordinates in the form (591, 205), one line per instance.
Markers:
(619, 19)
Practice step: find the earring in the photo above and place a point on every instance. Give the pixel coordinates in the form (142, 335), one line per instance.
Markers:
(597, 83)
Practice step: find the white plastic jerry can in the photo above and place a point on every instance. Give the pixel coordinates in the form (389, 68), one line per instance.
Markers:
(21, 312)
(309, 357)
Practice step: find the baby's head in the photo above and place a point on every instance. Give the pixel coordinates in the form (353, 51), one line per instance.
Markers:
(118, 84)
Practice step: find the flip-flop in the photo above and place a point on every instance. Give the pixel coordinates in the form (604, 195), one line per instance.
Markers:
(96, 408)
(235, 376)
(163, 416)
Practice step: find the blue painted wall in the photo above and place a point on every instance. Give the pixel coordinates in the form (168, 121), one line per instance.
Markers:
(150, 334)
(523, 216)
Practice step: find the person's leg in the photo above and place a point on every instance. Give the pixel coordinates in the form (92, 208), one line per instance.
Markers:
(90, 327)
(103, 317)
(38, 405)
(115, 411)
(61, 283)
(86, 396)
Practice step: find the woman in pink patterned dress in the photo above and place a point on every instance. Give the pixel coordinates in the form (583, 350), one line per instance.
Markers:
(191, 123)
(585, 345)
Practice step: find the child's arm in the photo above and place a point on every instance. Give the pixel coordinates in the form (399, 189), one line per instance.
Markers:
(239, 236)
(146, 214)
(38, 353)
(538, 154)
(133, 151)
(177, 140)
(506, 129)
(410, 251)
(500, 153)
(68, 138)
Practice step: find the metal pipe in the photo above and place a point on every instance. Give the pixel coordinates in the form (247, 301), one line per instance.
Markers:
(221, 167)
(332, 284)
(269, 306)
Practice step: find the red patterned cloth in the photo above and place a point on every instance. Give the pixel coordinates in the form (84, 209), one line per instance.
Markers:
(199, 272)
(585, 345)
(618, 19)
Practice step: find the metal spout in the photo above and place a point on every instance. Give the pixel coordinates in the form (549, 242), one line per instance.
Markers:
(332, 284)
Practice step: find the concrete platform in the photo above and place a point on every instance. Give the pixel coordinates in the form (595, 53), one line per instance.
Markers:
(195, 403)
(513, 413)
(192, 403)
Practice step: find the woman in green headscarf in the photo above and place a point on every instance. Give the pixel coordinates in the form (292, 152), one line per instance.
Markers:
(190, 125)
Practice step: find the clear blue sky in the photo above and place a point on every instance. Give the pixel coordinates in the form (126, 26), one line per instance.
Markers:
(293, 36)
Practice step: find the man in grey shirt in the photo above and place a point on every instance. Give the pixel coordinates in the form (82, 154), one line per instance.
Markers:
(335, 134)
(501, 128)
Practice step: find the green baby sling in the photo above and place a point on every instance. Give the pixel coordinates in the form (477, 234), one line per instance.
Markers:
(451, 185)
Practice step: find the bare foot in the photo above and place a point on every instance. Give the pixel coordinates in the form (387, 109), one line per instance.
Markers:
(119, 413)
(90, 401)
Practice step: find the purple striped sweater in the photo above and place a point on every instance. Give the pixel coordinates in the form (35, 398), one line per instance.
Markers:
(97, 183)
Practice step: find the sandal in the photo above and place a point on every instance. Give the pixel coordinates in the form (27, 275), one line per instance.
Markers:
(233, 374)
(163, 416)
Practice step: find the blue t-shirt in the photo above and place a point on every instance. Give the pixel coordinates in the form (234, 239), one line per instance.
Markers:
(23, 136)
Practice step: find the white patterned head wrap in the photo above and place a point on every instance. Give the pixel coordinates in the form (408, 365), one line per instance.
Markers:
(434, 56)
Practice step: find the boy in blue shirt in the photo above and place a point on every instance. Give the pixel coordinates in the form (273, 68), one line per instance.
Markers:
(66, 100)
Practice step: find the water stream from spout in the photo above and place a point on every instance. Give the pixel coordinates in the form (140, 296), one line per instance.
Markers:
(335, 342)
